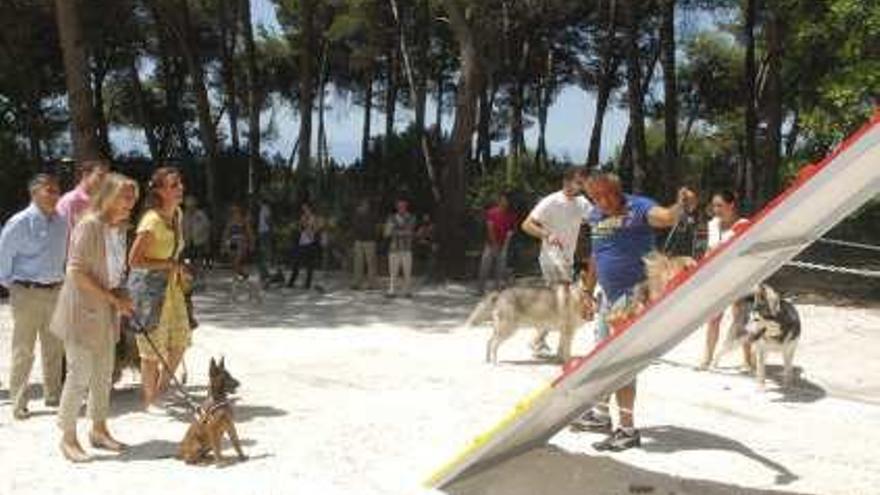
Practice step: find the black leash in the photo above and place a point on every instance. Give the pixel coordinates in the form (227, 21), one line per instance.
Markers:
(190, 402)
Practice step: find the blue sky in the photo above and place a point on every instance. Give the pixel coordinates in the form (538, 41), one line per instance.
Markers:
(570, 120)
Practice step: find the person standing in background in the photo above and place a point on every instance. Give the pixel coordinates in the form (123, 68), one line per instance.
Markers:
(33, 247)
(500, 226)
(400, 228)
(75, 203)
(197, 232)
(364, 229)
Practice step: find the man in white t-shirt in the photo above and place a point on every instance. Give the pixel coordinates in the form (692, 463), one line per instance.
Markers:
(197, 232)
(556, 220)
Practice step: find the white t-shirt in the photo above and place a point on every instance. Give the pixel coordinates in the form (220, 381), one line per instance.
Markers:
(263, 226)
(196, 227)
(717, 236)
(114, 245)
(562, 216)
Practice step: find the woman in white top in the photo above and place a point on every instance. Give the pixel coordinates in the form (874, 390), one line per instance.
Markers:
(722, 227)
(87, 313)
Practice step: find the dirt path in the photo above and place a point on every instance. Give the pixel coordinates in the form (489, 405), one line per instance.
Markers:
(348, 392)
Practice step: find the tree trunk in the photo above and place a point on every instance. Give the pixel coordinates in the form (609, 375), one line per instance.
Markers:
(368, 110)
(452, 237)
(99, 74)
(635, 95)
(438, 115)
(610, 63)
(774, 31)
(484, 141)
(253, 97)
(545, 92)
(423, 41)
(322, 132)
(391, 87)
(228, 36)
(751, 120)
(670, 111)
(142, 110)
(76, 72)
(32, 118)
(792, 136)
(306, 85)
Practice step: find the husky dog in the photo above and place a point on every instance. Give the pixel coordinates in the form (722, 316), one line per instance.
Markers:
(559, 307)
(768, 323)
(659, 271)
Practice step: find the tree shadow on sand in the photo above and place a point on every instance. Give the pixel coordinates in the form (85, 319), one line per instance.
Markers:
(669, 439)
(550, 469)
(434, 309)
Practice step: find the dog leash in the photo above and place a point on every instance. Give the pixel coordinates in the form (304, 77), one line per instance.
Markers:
(190, 402)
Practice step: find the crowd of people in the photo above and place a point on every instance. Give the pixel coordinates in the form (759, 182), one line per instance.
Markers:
(75, 270)
(72, 277)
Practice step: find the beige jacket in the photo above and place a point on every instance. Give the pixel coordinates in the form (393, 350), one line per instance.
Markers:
(81, 315)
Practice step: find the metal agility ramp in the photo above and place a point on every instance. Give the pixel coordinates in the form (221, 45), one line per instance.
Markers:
(822, 195)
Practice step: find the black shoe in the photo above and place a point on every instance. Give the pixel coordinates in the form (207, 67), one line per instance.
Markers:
(619, 441)
(590, 421)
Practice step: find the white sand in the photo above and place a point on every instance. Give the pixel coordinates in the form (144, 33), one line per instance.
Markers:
(349, 393)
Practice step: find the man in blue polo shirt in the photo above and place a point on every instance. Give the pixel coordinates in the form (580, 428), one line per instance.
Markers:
(33, 247)
(622, 233)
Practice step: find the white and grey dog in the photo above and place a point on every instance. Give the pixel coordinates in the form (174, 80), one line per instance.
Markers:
(558, 308)
(768, 323)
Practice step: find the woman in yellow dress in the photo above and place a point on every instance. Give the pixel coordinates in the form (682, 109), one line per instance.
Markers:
(156, 284)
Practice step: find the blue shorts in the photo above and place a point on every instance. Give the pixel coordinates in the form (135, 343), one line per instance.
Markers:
(602, 330)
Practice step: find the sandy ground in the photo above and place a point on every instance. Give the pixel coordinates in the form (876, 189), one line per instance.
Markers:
(348, 392)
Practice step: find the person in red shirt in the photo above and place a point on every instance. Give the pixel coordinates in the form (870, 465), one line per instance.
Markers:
(500, 225)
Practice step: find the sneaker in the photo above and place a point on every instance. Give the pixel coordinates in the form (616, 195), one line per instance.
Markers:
(541, 351)
(620, 440)
(154, 410)
(590, 421)
(21, 413)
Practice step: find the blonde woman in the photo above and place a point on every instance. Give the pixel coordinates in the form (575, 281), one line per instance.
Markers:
(156, 284)
(86, 317)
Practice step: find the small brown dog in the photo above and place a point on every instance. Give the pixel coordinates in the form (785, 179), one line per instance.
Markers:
(213, 419)
(659, 271)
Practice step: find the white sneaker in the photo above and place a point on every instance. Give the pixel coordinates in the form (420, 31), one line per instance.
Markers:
(154, 410)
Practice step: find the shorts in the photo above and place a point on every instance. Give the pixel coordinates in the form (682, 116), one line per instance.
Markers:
(553, 272)
(602, 329)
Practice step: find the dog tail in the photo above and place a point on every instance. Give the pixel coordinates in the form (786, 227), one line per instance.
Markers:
(483, 311)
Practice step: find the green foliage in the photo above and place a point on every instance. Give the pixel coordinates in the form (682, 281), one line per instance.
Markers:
(528, 185)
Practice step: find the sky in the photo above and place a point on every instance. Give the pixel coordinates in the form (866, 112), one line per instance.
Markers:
(570, 120)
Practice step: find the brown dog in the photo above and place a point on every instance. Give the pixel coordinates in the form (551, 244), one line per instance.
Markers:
(659, 271)
(213, 419)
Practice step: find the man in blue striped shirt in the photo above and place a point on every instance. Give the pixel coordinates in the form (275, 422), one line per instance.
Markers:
(33, 247)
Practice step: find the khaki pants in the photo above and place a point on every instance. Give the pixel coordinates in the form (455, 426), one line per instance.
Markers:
(364, 253)
(400, 261)
(31, 312)
(89, 371)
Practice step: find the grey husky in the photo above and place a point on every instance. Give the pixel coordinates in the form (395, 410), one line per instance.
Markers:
(559, 307)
